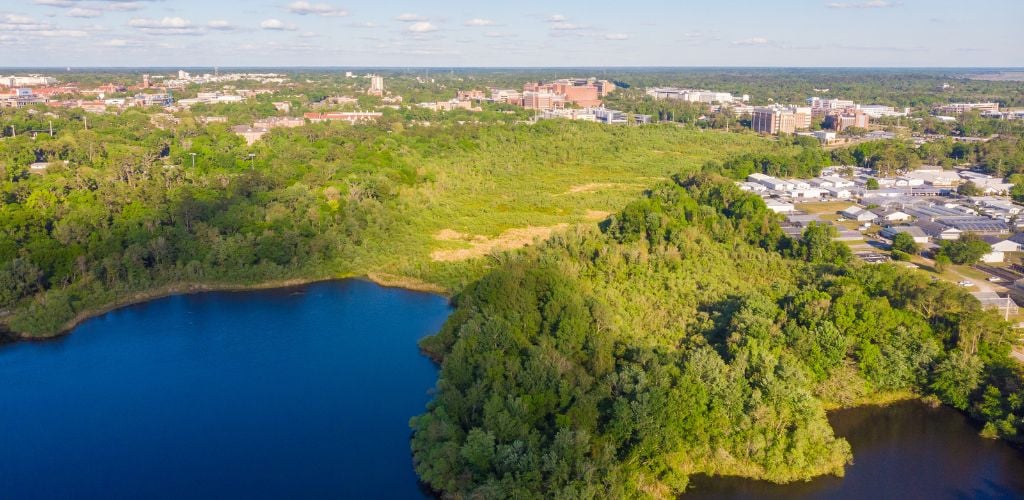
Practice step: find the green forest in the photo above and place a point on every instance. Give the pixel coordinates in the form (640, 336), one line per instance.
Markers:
(135, 204)
(687, 335)
(660, 326)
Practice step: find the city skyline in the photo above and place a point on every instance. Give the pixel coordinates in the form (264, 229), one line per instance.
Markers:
(804, 33)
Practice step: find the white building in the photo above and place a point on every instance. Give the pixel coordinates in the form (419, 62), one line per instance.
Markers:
(693, 95)
(779, 207)
(839, 193)
(376, 85)
(27, 81)
(772, 183)
(935, 176)
(752, 187)
(892, 216)
(857, 213)
(878, 110)
(806, 193)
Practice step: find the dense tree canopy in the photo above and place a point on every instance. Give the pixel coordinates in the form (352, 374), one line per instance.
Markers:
(689, 336)
(968, 249)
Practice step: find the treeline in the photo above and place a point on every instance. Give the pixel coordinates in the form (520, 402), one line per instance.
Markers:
(689, 335)
(121, 209)
(137, 202)
(805, 160)
(134, 217)
(1002, 156)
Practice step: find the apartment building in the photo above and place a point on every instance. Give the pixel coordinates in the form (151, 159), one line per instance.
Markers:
(541, 100)
(959, 108)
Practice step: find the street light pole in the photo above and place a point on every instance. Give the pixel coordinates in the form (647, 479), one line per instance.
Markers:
(193, 160)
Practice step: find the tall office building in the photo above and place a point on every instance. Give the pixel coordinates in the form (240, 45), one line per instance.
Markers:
(376, 86)
(773, 121)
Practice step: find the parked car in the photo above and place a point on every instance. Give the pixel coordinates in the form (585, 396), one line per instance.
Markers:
(965, 283)
(995, 279)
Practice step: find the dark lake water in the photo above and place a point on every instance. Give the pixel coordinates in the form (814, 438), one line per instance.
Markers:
(908, 450)
(307, 393)
(295, 393)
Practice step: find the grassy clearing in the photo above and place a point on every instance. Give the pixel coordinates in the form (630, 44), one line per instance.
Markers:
(827, 207)
(561, 175)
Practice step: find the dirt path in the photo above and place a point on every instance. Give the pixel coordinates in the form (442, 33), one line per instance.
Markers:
(602, 186)
(481, 245)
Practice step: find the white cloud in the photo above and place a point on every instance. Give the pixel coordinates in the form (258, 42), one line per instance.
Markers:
(124, 6)
(220, 24)
(497, 34)
(477, 22)
(364, 24)
(30, 27)
(616, 36)
(410, 18)
(321, 9)
(757, 40)
(17, 19)
(99, 5)
(83, 12)
(565, 27)
(277, 25)
(120, 43)
(422, 27)
(61, 33)
(165, 26)
(557, 18)
(870, 4)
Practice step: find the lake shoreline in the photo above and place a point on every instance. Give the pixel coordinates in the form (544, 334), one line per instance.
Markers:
(8, 335)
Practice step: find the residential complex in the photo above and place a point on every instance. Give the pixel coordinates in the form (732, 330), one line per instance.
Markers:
(26, 81)
(959, 108)
(922, 203)
(693, 95)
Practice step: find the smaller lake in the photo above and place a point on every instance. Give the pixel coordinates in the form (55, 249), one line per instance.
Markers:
(293, 393)
(906, 450)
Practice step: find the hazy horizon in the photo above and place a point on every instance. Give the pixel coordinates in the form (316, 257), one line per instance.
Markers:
(554, 67)
(525, 34)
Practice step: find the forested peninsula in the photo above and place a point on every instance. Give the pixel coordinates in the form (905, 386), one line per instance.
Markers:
(687, 336)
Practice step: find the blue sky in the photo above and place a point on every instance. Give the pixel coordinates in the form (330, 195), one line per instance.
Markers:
(509, 33)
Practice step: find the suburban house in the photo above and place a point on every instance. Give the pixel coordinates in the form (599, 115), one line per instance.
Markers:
(856, 213)
(806, 193)
(915, 232)
(752, 187)
(773, 183)
(939, 232)
(993, 256)
(779, 207)
(1003, 245)
(840, 193)
(891, 215)
(1019, 240)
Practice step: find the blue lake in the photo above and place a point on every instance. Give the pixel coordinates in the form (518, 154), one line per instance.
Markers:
(293, 393)
(902, 451)
(307, 393)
